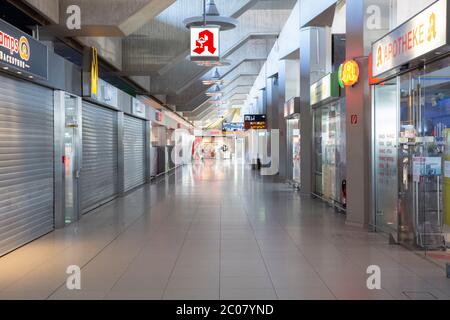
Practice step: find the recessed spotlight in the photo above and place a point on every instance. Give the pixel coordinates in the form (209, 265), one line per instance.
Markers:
(5, 68)
(31, 77)
(19, 72)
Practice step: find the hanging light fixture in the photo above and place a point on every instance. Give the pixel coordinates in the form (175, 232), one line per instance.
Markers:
(211, 17)
(217, 101)
(205, 35)
(215, 91)
(215, 79)
(211, 64)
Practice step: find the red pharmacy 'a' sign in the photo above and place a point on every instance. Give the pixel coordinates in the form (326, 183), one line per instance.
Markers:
(205, 42)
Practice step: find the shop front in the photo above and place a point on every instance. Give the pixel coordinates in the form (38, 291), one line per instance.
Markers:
(158, 148)
(411, 131)
(101, 119)
(329, 141)
(26, 140)
(135, 134)
(292, 116)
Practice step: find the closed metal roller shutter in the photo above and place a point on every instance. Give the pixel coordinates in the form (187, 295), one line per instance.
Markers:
(161, 160)
(134, 152)
(99, 165)
(26, 163)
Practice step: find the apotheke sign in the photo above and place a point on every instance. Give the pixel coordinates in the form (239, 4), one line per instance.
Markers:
(22, 52)
(423, 34)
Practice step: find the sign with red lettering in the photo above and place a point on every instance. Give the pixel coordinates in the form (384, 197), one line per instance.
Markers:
(423, 34)
(354, 119)
(205, 43)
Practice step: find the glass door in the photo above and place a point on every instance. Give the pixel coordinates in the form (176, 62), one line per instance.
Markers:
(327, 158)
(409, 146)
(71, 157)
(296, 154)
(293, 154)
(424, 148)
(318, 155)
(412, 157)
(434, 120)
(386, 163)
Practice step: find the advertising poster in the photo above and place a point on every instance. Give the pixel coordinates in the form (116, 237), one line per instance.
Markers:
(426, 167)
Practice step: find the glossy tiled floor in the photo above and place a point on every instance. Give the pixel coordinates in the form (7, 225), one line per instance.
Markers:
(216, 230)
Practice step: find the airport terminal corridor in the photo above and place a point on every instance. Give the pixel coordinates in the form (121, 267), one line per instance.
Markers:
(216, 230)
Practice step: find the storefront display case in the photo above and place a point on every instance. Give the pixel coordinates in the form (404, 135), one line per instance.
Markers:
(411, 145)
(411, 149)
(329, 141)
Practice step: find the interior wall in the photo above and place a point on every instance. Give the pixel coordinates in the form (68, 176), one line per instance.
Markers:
(339, 21)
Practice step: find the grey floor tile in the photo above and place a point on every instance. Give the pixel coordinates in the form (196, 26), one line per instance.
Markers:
(248, 294)
(248, 282)
(306, 293)
(197, 282)
(151, 294)
(191, 294)
(218, 233)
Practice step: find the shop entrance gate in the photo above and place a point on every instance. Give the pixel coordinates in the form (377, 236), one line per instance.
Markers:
(412, 156)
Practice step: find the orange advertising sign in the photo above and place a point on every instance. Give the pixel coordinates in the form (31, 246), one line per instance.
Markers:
(348, 73)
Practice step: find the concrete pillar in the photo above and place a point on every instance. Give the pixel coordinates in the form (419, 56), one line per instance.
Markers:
(283, 65)
(271, 109)
(315, 62)
(262, 101)
(271, 93)
(358, 106)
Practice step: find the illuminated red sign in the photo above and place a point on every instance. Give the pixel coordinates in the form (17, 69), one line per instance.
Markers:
(205, 43)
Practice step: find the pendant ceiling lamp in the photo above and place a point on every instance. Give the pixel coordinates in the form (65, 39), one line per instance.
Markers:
(215, 79)
(212, 64)
(217, 101)
(211, 17)
(215, 91)
(205, 35)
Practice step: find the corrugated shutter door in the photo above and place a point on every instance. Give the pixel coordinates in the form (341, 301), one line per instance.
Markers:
(99, 165)
(134, 152)
(26, 163)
